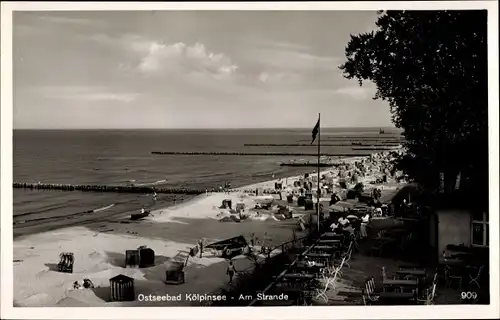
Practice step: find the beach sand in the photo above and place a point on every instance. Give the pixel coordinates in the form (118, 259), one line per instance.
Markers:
(99, 251)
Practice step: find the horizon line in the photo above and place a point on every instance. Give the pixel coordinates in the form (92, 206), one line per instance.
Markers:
(199, 128)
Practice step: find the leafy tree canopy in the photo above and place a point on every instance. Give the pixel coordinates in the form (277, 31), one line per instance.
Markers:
(431, 67)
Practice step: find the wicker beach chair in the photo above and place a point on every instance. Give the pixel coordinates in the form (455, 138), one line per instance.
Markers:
(66, 262)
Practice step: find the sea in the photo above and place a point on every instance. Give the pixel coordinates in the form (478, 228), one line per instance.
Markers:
(120, 157)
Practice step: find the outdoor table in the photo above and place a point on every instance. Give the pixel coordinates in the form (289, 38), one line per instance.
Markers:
(409, 219)
(396, 232)
(333, 241)
(453, 262)
(298, 276)
(457, 248)
(386, 239)
(320, 255)
(396, 295)
(313, 270)
(411, 272)
(324, 248)
(400, 283)
(334, 235)
(460, 256)
(410, 267)
(302, 264)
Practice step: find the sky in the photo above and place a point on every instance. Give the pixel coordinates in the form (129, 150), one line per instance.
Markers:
(189, 69)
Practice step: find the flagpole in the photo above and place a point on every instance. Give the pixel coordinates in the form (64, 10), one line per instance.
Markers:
(319, 150)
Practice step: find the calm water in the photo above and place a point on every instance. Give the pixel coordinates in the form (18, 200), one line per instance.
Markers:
(116, 157)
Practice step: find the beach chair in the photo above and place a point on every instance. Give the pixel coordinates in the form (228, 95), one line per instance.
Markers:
(122, 288)
(66, 262)
(308, 204)
(146, 257)
(175, 273)
(87, 283)
(132, 258)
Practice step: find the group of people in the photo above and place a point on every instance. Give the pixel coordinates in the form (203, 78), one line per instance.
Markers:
(347, 226)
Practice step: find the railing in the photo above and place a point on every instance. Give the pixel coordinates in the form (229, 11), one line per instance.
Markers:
(288, 268)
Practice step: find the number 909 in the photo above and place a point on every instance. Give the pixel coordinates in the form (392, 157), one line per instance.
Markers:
(468, 295)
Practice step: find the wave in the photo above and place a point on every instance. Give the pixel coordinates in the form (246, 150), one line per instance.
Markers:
(42, 210)
(104, 208)
(148, 183)
(67, 216)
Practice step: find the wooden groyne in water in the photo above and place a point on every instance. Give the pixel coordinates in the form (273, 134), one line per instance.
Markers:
(323, 144)
(387, 148)
(259, 154)
(306, 164)
(126, 189)
(358, 138)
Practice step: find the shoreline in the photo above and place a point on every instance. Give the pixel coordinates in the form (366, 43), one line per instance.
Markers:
(170, 231)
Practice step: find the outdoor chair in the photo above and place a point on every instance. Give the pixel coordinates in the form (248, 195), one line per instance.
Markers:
(451, 274)
(338, 269)
(405, 242)
(355, 239)
(430, 294)
(474, 279)
(348, 255)
(321, 293)
(368, 293)
(329, 279)
(435, 278)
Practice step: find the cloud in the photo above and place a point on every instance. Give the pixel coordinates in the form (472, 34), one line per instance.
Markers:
(86, 93)
(182, 58)
(70, 20)
(357, 92)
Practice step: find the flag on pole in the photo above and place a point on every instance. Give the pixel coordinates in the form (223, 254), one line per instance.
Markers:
(315, 131)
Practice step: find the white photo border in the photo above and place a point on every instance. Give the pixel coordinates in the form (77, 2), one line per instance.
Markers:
(337, 312)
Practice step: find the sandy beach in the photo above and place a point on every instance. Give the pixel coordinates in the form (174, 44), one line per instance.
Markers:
(99, 250)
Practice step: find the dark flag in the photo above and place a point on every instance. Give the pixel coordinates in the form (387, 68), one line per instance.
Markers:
(315, 131)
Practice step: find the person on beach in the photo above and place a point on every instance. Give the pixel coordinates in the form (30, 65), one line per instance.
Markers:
(334, 226)
(364, 223)
(343, 222)
(230, 271)
(200, 243)
(143, 211)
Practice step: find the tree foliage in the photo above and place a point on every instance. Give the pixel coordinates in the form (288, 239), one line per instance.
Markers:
(431, 67)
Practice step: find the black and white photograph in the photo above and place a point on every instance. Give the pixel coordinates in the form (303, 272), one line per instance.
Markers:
(215, 157)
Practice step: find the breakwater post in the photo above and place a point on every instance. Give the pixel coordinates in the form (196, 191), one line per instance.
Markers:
(326, 145)
(126, 189)
(258, 154)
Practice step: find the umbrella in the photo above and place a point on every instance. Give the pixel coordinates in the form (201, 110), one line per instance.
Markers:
(351, 216)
